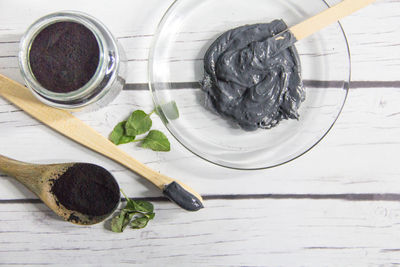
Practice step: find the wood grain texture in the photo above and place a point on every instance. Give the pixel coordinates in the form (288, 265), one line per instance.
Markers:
(357, 155)
(338, 205)
(227, 233)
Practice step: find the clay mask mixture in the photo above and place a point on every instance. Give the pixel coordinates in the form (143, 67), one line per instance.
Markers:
(64, 56)
(247, 82)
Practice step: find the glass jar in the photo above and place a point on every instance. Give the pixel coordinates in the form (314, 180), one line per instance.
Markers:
(107, 81)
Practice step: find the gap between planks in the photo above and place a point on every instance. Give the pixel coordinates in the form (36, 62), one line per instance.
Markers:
(347, 197)
(308, 83)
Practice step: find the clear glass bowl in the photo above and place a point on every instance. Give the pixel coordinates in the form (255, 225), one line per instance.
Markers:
(183, 36)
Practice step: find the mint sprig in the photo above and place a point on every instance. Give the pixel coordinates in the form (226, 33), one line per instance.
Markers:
(137, 214)
(140, 123)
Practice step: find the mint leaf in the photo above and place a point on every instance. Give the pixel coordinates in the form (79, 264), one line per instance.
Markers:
(138, 123)
(119, 222)
(130, 205)
(136, 213)
(126, 139)
(156, 141)
(170, 110)
(118, 135)
(139, 222)
(150, 215)
(144, 206)
(139, 206)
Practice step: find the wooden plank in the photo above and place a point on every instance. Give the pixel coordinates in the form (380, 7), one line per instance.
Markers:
(357, 156)
(373, 46)
(227, 233)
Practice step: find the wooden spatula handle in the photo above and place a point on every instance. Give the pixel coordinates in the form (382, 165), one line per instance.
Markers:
(68, 125)
(327, 17)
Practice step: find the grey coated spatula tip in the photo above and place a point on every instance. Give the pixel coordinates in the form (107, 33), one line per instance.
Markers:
(182, 198)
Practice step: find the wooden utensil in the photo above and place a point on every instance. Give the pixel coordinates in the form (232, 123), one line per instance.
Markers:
(68, 125)
(314, 24)
(40, 179)
(327, 17)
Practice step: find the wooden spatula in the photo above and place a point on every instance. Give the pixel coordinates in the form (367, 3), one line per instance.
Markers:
(68, 125)
(314, 24)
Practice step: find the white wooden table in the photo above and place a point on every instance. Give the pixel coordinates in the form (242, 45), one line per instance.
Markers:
(338, 205)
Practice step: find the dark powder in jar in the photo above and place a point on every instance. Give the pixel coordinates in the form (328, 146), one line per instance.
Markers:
(88, 189)
(64, 56)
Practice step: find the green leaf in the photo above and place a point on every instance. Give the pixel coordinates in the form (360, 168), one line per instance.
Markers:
(116, 223)
(139, 222)
(139, 206)
(118, 135)
(144, 206)
(119, 222)
(138, 123)
(136, 213)
(170, 110)
(150, 215)
(130, 205)
(156, 141)
(126, 139)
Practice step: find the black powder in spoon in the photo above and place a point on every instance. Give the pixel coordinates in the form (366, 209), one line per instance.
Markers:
(64, 56)
(88, 189)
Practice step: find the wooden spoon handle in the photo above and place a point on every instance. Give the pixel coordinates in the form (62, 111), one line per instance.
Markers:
(68, 125)
(27, 174)
(327, 17)
(11, 167)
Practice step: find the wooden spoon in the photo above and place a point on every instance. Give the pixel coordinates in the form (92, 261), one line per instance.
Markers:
(68, 125)
(314, 24)
(40, 179)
